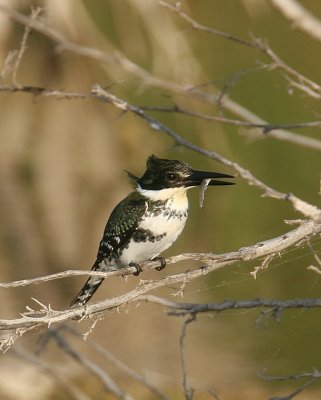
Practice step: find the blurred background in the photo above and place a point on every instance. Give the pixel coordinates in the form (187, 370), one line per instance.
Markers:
(62, 165)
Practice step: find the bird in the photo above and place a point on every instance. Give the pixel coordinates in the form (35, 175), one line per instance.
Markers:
(148, 220)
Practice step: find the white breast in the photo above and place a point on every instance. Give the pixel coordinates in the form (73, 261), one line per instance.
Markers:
(165, 227)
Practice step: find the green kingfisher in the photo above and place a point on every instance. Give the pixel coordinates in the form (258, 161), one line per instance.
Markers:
(148, 220)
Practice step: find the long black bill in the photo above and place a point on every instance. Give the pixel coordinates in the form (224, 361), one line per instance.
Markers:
(197, 177)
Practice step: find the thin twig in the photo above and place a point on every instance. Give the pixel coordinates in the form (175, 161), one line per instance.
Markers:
(176, 9)
(23, 45)
(297, 391)
(188, 391)
(266, 128)
(178, 309)
(314, 377)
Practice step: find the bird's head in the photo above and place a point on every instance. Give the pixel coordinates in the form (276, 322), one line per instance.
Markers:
(165, 174)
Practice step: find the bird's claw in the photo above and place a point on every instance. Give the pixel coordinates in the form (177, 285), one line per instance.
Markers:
(138, 269)
(162, 263)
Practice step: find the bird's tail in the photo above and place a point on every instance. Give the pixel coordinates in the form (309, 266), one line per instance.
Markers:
(88, 290)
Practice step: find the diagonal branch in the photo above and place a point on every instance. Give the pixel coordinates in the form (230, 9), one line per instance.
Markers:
(306, 209)
(300, 17)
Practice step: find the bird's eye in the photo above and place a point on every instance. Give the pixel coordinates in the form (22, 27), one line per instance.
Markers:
(170, 176)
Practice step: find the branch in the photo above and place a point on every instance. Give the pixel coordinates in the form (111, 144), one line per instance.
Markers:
(250, 120)
(48, 316)
(276, 306)
(315, 376)
(195, 25)
(310, 87)
(264, 249)
(23, 45)
(188, 391)
(266, 128)
(61, 94)
(119, 60)
(300, 17)
(306, 209)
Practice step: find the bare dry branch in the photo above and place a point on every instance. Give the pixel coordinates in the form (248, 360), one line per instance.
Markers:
(262, 46)
(276, 306)
(314, 377)
(120, 60)
(306, 209)
(213, 262)
(305, 230)
(250, 121)
(300, 17)
(266, 128)
(262, 249)
(188, 391)
(195, 25)
(8, 64)
(23, 46)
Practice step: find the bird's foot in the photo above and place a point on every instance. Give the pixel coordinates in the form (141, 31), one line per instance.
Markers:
(138, 268)
(162, 263)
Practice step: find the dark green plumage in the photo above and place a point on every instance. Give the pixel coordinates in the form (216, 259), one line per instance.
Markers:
(122, 223)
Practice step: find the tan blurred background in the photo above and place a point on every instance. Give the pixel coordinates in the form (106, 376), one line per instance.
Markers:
(61, 173)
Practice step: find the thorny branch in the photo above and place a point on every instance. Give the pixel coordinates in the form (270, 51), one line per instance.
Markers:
(262, 249)
(48, 316)
(305, 230)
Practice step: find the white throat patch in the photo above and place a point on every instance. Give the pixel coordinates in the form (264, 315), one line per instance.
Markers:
(163, 194)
